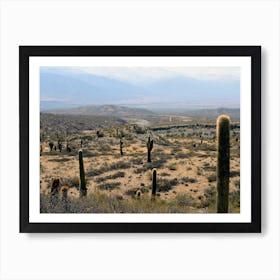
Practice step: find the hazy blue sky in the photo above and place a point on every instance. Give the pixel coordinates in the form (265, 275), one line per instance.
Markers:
(140, 86)
(150, 74)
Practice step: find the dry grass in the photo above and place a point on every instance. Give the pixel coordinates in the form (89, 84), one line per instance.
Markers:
(186, 175)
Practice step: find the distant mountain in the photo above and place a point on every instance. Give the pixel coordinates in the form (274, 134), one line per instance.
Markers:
(234, 113)
(83, 89)
(103, 110)
(65, 90)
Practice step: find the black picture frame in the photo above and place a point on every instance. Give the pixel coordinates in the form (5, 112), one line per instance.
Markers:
(254, 52)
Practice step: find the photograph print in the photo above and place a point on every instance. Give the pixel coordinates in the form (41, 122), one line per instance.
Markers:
(139, 138)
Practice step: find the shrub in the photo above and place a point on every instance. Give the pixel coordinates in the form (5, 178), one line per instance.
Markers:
(147, 166)
(109, 186)
(71, 182)
(237, 183)
(212, 178)
(210, 197)
(186, 180)
(64, 159)
(106, 167)
(209, 168)
(182, 155)
(184, 200)
(164, 174)
(234, 173)
(132, 191)
(119, 174)
(234, 198)
(136, 161)
(119, 165)
(172, 167)
(100, 202)
(165, 185)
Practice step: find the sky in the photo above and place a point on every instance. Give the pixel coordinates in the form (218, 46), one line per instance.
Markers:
(141, 85)
(150, 74)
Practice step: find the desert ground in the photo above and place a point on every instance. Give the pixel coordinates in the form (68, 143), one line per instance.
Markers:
(184, 156)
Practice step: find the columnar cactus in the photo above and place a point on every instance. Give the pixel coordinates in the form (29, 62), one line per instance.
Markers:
(51, 145)
(150, 145)
(83, 188)
(154, 183)
(60, 147)
(223, 149)
(121, 146)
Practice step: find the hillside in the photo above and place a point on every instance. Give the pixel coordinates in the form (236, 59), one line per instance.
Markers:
(103, 110)
(234, 113)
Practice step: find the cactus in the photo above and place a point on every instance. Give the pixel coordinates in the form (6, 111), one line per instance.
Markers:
(68, 149)
(54, 191)
(201, 140)
(223, 148)
(121, 146)
(138, 194)
(64, 198)
(154, 183)
(51, 145)
(150, 145)
(83, 188)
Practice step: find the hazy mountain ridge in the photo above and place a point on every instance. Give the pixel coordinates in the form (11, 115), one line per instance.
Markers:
(102, 110)
(82, 89)
(122, 111)
(234, 113)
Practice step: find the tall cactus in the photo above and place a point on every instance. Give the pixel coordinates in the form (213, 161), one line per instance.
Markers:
(83, 188)
(150, 145)
(51, 145)
(223, 148)
(154, 183)
(121, 146)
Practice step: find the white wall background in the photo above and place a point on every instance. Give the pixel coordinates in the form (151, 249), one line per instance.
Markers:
(139, 256)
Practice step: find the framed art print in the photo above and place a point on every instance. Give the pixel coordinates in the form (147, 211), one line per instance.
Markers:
(140, 138)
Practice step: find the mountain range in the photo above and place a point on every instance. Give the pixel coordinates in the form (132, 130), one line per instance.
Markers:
(102, 110)
(121, 111)
(58, 90)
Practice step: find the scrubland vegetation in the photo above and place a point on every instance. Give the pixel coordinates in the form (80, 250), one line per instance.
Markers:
(118, 159)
